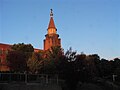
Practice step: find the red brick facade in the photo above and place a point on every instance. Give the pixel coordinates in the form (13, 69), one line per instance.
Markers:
(4, 48)
(51, 38)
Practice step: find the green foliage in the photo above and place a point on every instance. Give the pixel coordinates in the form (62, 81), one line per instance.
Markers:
(19, 55)
(27, 49)
(34, 63)
(52, 60)
(23, 47)
(71, 67)
(17, 61)
(117, 68)
(54, 53)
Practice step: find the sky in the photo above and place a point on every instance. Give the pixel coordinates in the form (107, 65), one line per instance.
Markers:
(89, 26)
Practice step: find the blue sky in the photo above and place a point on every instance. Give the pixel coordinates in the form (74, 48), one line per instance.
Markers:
(89, 26)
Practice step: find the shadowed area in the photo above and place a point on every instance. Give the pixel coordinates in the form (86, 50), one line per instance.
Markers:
(33, 86)
(90, 86)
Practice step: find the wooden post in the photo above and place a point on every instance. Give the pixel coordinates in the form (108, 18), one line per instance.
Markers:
(114, 77)
(46, 79)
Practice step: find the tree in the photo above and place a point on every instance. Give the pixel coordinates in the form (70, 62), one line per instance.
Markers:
(34, 63)
(23, 47)
(52, 60)
(71, 76)
(93, 64)
(17, 61)
(27, 49)
(70, 55)
(117, 68)
(18, 56)
(80, 67)
(80, 62)
(105, 68)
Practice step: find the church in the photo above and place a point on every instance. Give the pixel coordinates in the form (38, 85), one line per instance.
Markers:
(51, 39)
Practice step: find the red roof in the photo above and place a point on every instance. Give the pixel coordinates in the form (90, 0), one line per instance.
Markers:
(5, 46)
(37, 50)
(51, 23)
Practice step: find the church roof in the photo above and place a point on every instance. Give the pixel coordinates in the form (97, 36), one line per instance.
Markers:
(5, 46)
(51, 23)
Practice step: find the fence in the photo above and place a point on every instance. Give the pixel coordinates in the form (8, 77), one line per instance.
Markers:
(28, 78)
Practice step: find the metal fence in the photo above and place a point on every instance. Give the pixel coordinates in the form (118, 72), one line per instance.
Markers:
(28, 78)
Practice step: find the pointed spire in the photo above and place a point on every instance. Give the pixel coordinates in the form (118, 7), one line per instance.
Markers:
(51, 23)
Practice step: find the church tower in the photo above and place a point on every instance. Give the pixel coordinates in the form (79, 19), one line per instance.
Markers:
(51, 38)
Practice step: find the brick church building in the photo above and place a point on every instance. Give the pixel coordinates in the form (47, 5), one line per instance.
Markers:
(51, 39)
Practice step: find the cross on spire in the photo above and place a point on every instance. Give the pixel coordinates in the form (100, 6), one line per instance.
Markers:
(51, 23)
(51, 13)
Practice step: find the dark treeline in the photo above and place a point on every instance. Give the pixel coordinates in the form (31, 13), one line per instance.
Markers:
(69, 65)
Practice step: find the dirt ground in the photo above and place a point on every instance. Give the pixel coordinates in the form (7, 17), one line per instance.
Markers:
(90, 86)
(83, 86)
